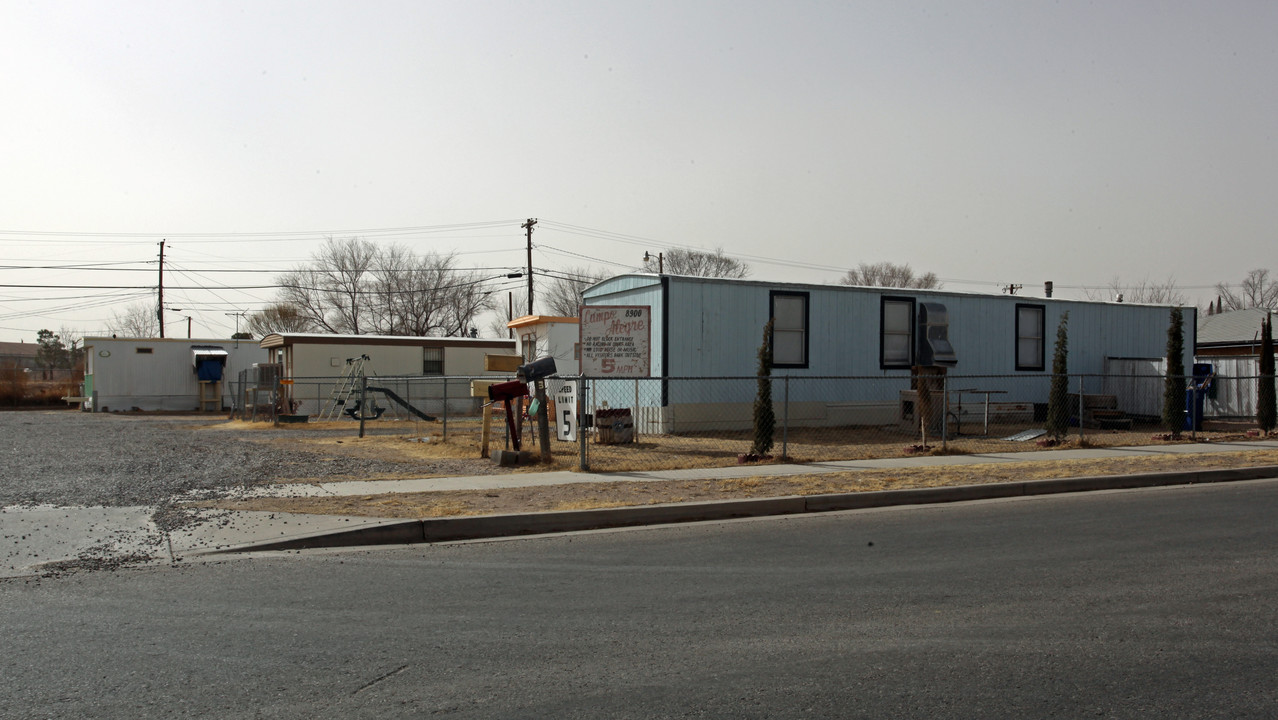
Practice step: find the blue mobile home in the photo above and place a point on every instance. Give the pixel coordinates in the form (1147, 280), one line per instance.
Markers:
(713, 327)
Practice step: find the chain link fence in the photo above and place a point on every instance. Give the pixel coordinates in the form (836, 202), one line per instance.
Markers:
(659, 423)
(689, 422)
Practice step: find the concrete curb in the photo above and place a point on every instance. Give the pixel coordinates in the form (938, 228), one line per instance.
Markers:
(493, 526)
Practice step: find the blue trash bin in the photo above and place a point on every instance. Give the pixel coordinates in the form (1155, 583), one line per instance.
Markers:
(1195, 394)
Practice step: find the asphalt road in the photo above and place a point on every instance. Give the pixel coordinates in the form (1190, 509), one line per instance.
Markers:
(1139, 604)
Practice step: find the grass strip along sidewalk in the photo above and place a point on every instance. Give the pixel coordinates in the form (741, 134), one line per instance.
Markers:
(621, 493)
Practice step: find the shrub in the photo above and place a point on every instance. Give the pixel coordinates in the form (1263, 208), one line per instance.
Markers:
(1058, 397)
(765, 420)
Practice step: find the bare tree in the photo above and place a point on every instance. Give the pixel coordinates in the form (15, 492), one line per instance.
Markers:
(1256, 291)
(136, 321)
(353, 287)
(518, 308)
(278, 317)
(1145, 291)
(411, 293)
(681, 261)
(886, 274)
(466, 299)
(73, 340)
(332, 290)
(562, 296)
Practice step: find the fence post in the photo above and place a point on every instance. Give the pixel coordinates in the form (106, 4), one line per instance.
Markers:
(1194, 420)
(363, 402)
(1082, 409)
(945, 412)
(785, 420)
(445, 408)
(583, 463)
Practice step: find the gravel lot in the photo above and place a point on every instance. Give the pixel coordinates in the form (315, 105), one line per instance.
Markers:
(71, 458)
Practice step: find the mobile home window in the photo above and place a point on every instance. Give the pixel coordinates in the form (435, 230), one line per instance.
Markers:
(789, 329)
(1029, 337)
(896, 338)
(433, 361)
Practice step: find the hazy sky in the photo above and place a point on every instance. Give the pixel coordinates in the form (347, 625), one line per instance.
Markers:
(988, 142)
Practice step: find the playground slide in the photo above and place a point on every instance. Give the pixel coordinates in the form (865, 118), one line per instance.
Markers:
(390, 395)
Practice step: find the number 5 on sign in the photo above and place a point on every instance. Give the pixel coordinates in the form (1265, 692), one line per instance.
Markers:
(566, 411)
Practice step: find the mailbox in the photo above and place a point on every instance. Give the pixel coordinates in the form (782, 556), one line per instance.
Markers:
(537, 370)
(933, 335)
(507, 390)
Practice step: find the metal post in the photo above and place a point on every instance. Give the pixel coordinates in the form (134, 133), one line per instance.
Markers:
(945, 412)
(1082, 405)
(445, 408)
(785, 420)
(363, 402)
(1193, 405)
(583, 463)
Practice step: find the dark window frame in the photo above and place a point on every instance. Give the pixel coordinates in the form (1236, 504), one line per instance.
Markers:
(426, 362)
(807, 326)
(1042, 338)
(883, 303)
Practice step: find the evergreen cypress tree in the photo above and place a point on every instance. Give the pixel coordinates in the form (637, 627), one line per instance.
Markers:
(1058, 397)
(764, 419)
(1266, 416)
(1174, 382)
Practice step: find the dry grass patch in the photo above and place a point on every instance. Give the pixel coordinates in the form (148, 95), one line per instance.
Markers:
(582, 496)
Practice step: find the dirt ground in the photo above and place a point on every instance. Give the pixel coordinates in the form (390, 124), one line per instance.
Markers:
(462, 451)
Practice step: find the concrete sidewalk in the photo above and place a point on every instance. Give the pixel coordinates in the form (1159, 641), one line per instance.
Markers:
(43, 540)
(534, 479)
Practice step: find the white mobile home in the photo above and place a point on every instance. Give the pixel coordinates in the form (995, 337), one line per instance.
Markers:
(164, 373)
(712, 328)
(314, 361)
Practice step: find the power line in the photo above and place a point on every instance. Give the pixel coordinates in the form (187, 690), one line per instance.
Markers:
(260, 236)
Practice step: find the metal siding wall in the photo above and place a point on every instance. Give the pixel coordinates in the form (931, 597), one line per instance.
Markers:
(716, 328)
(621, 283)
(163, 380)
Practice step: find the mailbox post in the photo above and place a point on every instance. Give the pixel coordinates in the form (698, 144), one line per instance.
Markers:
(536, 373)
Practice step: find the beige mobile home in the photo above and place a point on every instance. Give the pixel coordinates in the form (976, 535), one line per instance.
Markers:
(314, 363)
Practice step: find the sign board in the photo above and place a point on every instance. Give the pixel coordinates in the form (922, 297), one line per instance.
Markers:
(616, 341)
(503, 363)
(566, 411)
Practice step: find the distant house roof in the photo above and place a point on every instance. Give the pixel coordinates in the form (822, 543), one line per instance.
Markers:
(282, 339)
(1236, 327)
(19, 349)
(18, 354)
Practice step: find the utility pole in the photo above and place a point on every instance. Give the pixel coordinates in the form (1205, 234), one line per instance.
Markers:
(529, 227)
(159, 306)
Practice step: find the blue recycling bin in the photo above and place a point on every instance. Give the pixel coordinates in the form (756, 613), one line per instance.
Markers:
(1198, 388)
